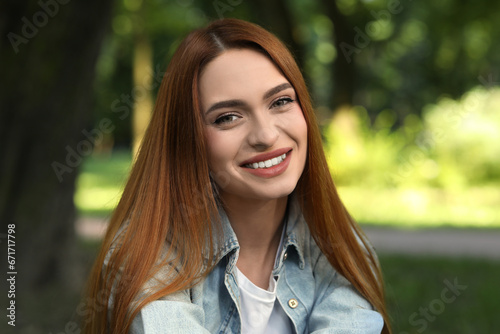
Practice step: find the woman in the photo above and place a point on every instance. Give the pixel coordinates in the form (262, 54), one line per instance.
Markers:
(230, 221)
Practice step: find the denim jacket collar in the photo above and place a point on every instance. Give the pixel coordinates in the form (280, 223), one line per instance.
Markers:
(293, 235)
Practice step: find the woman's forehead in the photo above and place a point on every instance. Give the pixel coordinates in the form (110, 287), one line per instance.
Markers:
(239, 72)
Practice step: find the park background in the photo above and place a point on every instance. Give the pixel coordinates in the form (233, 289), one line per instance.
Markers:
(406, 94)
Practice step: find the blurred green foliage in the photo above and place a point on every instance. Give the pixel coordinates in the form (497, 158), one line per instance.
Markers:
(463, 138)
(453, 146)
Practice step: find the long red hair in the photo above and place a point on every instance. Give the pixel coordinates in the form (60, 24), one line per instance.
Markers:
(169, 195)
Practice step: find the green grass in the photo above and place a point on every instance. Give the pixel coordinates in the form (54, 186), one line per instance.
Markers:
(414, 284)
(100, 183)
(101, 180)
(424, 207)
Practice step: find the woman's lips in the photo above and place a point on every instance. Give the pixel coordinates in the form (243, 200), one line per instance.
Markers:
(266, 156)
(275, 166)
(267, 163)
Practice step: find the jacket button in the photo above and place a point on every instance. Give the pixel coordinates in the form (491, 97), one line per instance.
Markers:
(293, 303)
(285, 256)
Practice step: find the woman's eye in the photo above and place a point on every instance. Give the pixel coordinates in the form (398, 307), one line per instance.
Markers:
(224, 119)
(282, 102)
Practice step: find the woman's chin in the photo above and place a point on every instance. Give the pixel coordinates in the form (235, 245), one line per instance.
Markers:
(269, 193)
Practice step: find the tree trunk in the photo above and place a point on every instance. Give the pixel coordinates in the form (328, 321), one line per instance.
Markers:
(276, 16)
(344, 72)
(48, 55)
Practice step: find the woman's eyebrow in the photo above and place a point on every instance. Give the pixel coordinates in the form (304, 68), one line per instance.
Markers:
(276, 90)
(241, 103)
(225, 104)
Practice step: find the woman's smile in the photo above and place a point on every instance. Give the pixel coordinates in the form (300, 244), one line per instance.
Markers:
(267, 163)
(270, 164)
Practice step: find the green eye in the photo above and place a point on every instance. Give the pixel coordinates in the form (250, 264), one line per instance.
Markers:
(225, 119)
(282, 102)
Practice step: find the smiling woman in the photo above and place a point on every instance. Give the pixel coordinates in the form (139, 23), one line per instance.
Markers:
(230, 221)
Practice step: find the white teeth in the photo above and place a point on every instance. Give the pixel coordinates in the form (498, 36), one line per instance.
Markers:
(267, 163)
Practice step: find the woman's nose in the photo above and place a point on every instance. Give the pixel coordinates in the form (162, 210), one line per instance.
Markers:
(263, 132)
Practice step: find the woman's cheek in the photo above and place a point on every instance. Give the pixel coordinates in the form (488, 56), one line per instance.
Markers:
(293, 120)
(220, 146)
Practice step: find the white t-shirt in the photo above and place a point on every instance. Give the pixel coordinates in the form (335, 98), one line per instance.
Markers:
(261, 313)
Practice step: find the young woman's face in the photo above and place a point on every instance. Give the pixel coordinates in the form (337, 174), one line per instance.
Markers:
(254, 126)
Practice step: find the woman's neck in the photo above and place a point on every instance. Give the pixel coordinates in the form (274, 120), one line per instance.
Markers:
(258, 227)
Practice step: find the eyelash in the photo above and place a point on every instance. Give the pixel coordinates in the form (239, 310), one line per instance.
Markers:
(287, 100)
(219, 119)
(283, 99)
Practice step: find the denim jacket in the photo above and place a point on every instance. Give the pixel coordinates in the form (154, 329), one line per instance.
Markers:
(315, 297)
